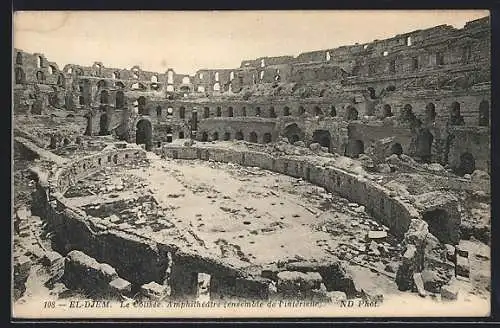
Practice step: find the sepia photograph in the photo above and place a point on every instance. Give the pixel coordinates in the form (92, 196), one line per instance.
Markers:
(251, 164)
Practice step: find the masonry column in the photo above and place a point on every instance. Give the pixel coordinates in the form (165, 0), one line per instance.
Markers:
(183, 280)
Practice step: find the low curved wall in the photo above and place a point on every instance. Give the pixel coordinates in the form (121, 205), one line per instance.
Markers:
(379, 201)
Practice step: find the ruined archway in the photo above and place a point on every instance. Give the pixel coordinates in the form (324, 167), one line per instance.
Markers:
(333, 111)
(104, 97)
(322, 137)
(355, 148)
(430, 112)
(397, 149)
(120, 100)
(272, 112)
(144, 134)
(293, 133)
(253, 137)
(227, 136)
(60, 80)
(204, 136)
(467, 164)
(352, 114)
(103, 125)
(19, 75)
(286, 111)
(267, 138)
(40, 77)
(239, 135)
(206, 112)
(484, 113)
(218, 112)
(438, 221)
(424, 145)
(387, 111)
(215, 136)
(230, 111)
(455, 117)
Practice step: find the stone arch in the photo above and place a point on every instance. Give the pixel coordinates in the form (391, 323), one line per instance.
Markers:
(293, 133)
(119, 99)
(272, 112)
(424, 145)
(286, 111)
(19, 58)
(396, 148)
(484, 113)
(144, 134)
(430, 112)
(230, 111)
(206, 112)
(60, 80)
(104, 97)
(257, 111)
(40, 76)
(204, 136)
(352, 114)
(323, 137)
(387, 111)
(318, 111)
(253, 137)
(218, 112)
(19, 75)
(455, 116)
(216, 86)
(355, 148)
(227, 136)
(267, 138)
(239, 135)
(215, 136)
(467, 164)
(39, 61)
(182, 112)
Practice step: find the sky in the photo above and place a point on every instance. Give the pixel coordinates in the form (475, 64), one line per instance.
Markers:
(188, 41)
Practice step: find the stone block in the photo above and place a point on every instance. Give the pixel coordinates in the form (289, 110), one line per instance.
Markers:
(462, 267)
(121, 286)
(378, 235)
(450, 291)
(50, 258)
(154, 290)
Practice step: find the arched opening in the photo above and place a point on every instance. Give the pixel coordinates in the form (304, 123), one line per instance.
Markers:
(438, 223)
(120, 100)
(328, 56)
(333, 111)
(103, 125)
(19, 58)
(414, 64)
(230, 112)
(253, 137)
(104, 97)
(215, 136)
(286, 111)
(387, 111)
(439, 59)
(170, 111)
(227, 136)
(352, 114)
(397, 149)
(272, 112)
(430, 112)
(39, 61)
(60, 80)
(267, 138)
(101, 84)
(206, 112)
(455, 117)
(158, 111)
(217, 86)
(244, 111)
(293, 133)
(355, 148)
(81, 100)
(144, 134)
(409, 41)
(19, 75)
(217, 76)
(170, 88)
(182, 112)
(204, 136)
(54, 99)
(318, 111)
(302, 110)
(322, 137)
(239, 135)
(257, 111)
(181, 134)
(170, 77)
(154, 79)
(484, 113)
(115, 75)
(467, 164)
(424, 145)
(141, 105)
(218, 112)
(40, 77)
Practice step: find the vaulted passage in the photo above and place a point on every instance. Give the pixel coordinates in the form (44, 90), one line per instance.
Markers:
(438, 221)
(467, 164)
(355, 148)
(293, 133)
(352, 114)
(424, 145)
(267, 138)
(144, 134)
(253, 137)
(397, 149)
(238, 135)
(322, 137)
(120, 100)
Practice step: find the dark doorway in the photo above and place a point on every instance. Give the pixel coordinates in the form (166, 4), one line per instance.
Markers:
(286, 111)
(318, 111)
(206, 112)
(352, 114)
(219, 112)
(158, 111)
(293, 133)
(103, 125)
(182, 112)
(302, 110)
(387, 111)
(355, 148)
(230, 112)
(227, 136)
(438, 221)
(204, 137)
(141, 102)
(253, 137)
(424, 145)
(322, 137)
(484, 113)
(397, 149)
(267, 138)
(215, 136)
(144, 134)
(181, 134)
(333, 111)
(19, 75)
(104, 97)
(430, 112)
(272, 112)
(467, 164)
(239, 135)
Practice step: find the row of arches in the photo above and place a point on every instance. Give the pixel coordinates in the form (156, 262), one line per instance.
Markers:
(226, 136)
(20, 77)
(430, 114)
(271, 112)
